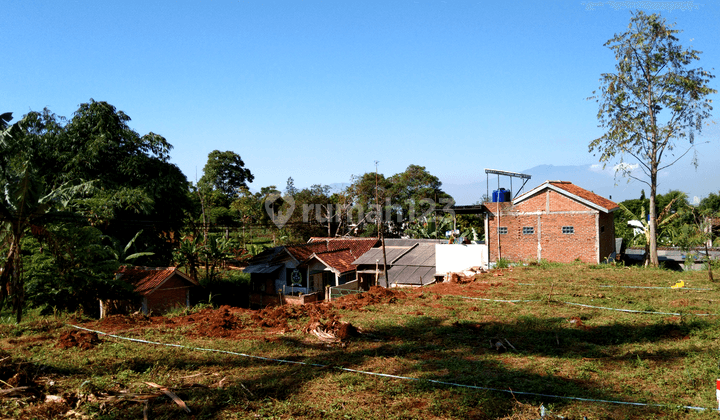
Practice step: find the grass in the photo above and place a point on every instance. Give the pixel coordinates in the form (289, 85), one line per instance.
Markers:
(552, 348)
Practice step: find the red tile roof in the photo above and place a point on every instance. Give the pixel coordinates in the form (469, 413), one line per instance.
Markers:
(147, 279)
(357, 246)
(336, 253)
(340, 260)
(584, 194)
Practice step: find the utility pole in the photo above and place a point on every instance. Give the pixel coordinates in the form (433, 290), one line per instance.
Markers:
(380, 227)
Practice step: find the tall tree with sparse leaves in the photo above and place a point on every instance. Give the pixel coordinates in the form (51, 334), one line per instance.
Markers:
(652, 106)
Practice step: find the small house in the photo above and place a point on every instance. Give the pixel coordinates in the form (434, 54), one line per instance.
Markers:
(158, 290)
(557, 221)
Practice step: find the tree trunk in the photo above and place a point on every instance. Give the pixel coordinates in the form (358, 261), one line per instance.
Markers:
(5, 277)
(653, 217)
(708, 261)
(17, 288)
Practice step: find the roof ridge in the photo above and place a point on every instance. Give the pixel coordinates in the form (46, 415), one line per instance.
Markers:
(332, 250)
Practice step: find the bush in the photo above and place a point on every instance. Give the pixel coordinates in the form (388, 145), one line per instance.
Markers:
(502, 263)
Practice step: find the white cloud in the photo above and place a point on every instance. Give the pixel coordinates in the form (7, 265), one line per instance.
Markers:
(626, 167)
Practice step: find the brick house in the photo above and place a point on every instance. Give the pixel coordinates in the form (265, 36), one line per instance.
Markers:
(158, 290)
(557, 221)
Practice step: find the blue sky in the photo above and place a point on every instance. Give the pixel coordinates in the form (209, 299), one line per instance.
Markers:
(320, 90)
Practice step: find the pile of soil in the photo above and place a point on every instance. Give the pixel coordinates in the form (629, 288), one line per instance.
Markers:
(231, 322)
(376, 295)
(216, 323)
(84, 339)
(324, 318)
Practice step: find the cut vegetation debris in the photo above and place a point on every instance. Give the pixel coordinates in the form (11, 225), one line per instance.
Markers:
(456, 353)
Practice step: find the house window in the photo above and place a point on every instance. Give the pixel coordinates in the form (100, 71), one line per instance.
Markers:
(528, 230)
(502, 230)
(568, 230)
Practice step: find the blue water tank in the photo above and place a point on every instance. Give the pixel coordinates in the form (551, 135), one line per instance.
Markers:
(500, 196)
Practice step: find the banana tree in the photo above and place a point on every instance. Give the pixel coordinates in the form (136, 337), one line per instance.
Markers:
(121, 253)
(27, 204)
(215, 252)
(188, 254)
(662, 220)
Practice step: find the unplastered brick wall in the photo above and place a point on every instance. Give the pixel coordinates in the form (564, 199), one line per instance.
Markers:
(172, 293)
(560, 246)
(570, 231)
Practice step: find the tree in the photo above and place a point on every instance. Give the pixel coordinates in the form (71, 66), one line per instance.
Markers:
(224, 179)
(225, 172)
(402, 197)
(136, 185)
(70, 267)
(664, 218)
(698, 232)
(48, 164)
(651, 104)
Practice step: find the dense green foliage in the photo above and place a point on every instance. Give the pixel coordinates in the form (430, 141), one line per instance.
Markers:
(672, 210)
(77, 188)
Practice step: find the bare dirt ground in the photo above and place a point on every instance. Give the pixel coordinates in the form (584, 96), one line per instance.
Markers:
(223, 322)
(323, 321)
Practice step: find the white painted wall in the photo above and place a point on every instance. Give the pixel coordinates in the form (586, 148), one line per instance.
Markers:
(455, 257)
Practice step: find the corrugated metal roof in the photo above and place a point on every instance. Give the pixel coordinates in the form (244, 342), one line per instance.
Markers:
(407, 265)
(411, 275)
(261, 269)
(421, 255)
(411, 242)
(375, 254)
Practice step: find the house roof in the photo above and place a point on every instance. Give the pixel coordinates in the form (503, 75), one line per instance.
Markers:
(340, 260)
(411, 275)
(262, 263)
(571, 190)
(407, 265)
(375, 255)
(148, 279)
(590, 196)
(411, 242)
(336, 253)
(357, 246)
